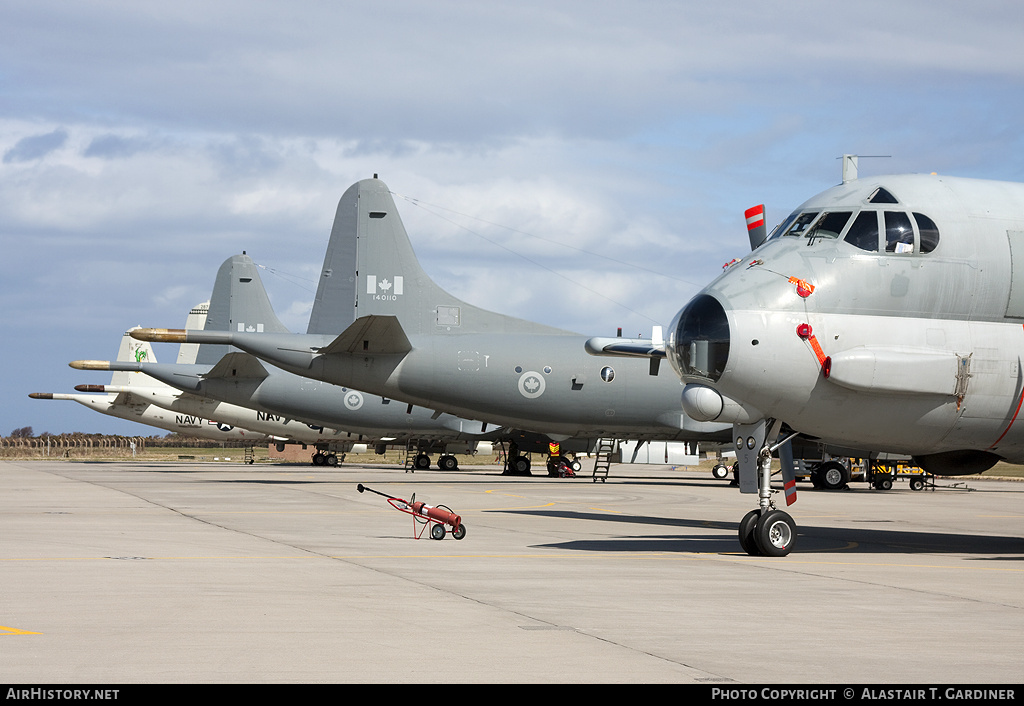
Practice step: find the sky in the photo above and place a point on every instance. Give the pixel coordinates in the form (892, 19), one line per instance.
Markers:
(581, 164)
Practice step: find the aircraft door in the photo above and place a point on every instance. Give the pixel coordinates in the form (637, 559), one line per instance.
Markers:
(1015, 302)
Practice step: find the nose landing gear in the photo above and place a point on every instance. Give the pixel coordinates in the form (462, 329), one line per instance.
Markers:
(765, 531)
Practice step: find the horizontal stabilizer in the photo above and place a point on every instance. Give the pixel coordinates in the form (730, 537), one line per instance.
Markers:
(379, 335)
(238, 365)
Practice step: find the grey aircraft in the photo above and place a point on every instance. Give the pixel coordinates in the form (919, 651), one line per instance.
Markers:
(885, 313)
(235, 385)
(412, 341)
(131, 401)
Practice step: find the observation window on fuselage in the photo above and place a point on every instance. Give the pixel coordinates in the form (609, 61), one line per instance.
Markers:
(864, 231)
(881, 195)
(928, 231)
(899, 233)
(830, 225)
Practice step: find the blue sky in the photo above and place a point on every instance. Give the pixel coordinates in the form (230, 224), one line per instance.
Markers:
(609, 148)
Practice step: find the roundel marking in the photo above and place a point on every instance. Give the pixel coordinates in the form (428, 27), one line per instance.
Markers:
(531, 385)
(353, 400)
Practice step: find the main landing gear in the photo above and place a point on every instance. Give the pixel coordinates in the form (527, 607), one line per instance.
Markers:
(321, 458)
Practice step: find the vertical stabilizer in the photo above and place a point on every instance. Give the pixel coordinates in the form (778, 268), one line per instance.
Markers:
(390, 281)
(333, 307)
(132, 351)
(239, 303)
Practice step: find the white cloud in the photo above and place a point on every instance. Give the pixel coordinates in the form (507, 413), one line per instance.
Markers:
(146, 142)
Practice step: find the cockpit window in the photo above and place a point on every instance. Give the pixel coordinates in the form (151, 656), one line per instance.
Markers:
(881, 195)
(864, 231)
(830, 225)
(899, 233)
(929, 232)
(782, 227)
(801, 223)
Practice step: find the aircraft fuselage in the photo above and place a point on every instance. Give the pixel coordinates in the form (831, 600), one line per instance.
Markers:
(891, 321)
(538, 382)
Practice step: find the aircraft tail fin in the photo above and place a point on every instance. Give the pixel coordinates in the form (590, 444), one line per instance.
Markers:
(196, 321)
(131, 351)
(388, 279)
(239, 303)
(333, 307)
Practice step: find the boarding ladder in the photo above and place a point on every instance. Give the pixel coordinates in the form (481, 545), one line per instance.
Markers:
(606, 448)
(412, 450)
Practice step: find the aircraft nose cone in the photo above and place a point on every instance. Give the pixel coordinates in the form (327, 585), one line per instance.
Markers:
(700, 349)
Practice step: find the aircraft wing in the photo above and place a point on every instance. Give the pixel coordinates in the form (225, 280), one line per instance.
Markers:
(375, 334)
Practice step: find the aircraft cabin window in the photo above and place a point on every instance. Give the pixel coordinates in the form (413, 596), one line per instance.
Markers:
(881, 195)
(899, 233)
(928, 231)
(864, 231)
(800, 225)
(830, 225)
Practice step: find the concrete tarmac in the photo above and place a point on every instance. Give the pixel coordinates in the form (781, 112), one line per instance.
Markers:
(127, 572)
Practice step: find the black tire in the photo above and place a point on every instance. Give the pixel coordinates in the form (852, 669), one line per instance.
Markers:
(521, 466)
(422, 462)
(720, 472)
(885, 484)
(775, 533)
(833, 475)
(318, 459)
(746, 532)
(437, 531)
(916, 483)
(448, 463)
(332, 459)
(460, 532)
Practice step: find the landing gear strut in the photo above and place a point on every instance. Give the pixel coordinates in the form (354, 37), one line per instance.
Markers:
(516, 464)
(766, 531)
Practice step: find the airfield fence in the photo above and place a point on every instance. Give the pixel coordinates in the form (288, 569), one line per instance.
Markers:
(79, 445)
(70, 445)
